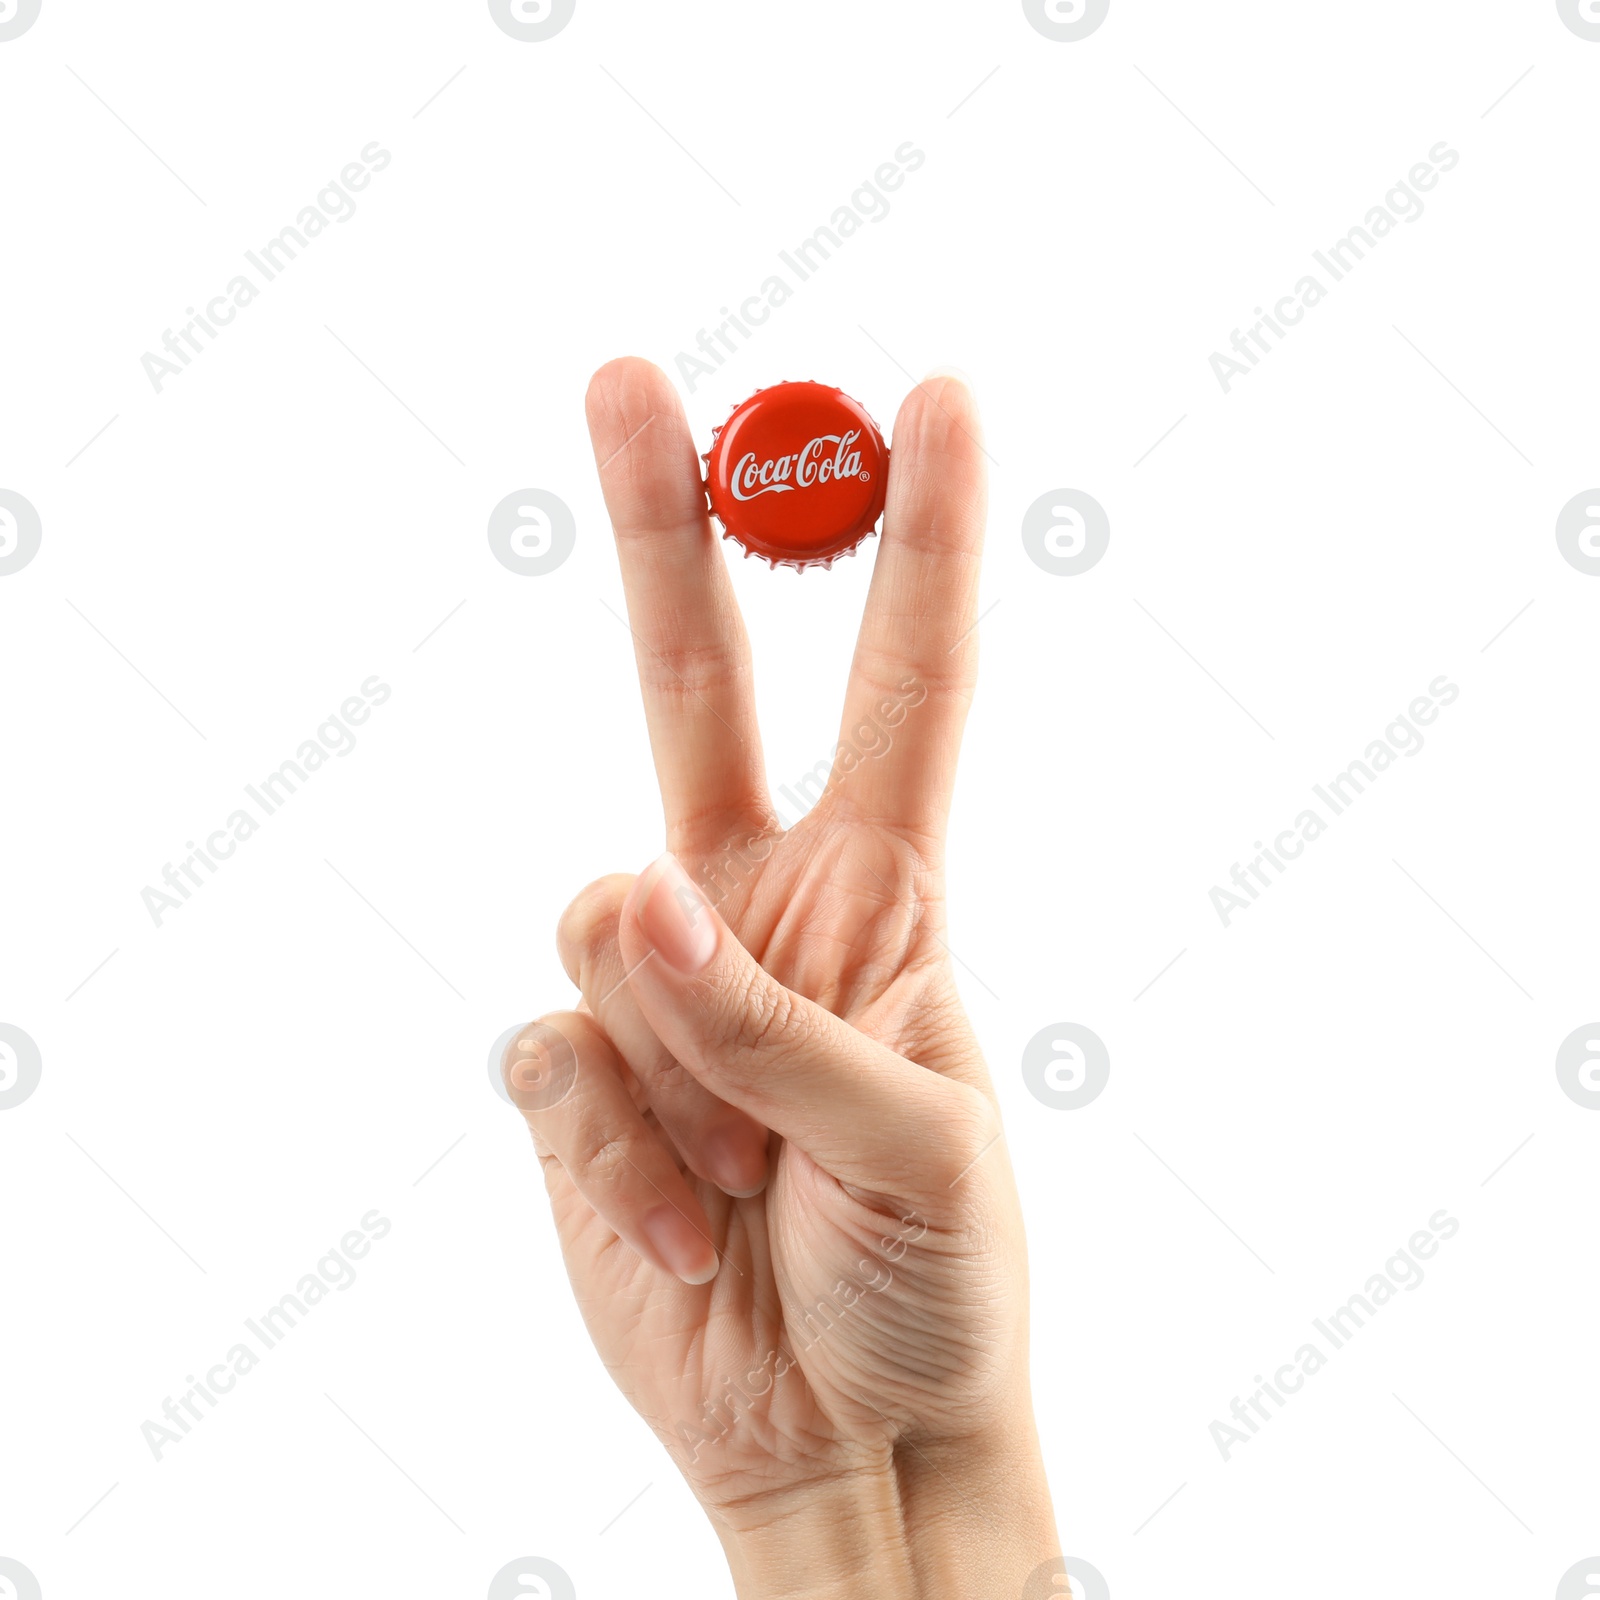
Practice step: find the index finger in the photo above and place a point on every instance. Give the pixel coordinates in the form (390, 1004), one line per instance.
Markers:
(689, 640)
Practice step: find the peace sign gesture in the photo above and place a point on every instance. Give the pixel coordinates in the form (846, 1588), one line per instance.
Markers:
(768, 1135)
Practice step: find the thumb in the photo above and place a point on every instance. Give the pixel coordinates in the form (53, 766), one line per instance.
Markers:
(863, 1113)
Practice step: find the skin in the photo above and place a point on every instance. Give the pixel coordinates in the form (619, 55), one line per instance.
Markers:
(769, 1139)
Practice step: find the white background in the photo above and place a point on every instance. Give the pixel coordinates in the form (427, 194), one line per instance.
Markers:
(229, 559)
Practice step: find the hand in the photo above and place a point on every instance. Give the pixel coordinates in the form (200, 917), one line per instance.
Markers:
(827, 1327)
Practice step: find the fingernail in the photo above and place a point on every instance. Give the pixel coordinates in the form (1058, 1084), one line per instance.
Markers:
(736, 1159)
(682, 1248)
(949, 372)
(677, 918)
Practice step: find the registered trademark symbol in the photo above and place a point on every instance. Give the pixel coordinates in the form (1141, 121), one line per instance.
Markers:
(866, 476)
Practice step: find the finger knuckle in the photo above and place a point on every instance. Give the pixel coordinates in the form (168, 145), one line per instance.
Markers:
(759, 1014)
(589, 923)
(692, 670)
(599, 1157)
(664, 1076)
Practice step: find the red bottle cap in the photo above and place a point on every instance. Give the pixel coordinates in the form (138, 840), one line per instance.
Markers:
(798, 474)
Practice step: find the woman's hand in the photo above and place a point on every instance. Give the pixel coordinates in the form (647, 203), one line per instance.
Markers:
(827, 1325)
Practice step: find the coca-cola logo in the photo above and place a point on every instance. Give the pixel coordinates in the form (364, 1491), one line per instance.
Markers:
(809, 466)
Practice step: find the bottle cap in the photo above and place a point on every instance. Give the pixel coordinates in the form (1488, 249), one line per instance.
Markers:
(798, 474)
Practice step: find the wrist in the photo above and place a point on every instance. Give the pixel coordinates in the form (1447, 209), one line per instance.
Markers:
(831, 1539)
(977, 1513)
(946, 1519)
